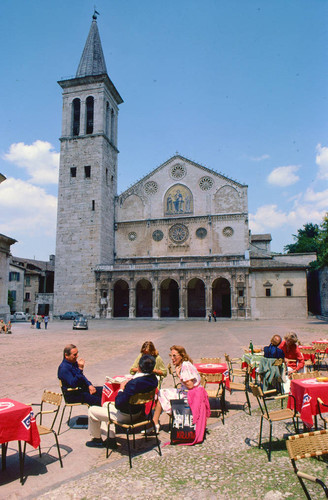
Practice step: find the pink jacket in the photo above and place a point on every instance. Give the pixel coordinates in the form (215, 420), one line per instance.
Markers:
(200, 408)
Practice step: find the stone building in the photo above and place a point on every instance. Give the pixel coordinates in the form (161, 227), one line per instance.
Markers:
(175, 244)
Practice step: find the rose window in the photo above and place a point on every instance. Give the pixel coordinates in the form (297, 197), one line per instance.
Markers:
(206, 183)
(151, 187)
(178, 233)
(178, 171)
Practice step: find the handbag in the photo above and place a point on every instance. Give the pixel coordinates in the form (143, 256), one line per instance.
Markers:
(182, 425)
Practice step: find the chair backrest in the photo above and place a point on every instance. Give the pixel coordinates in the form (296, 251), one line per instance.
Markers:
(142, 398)
(176, 379)
(256, 390)
(211, 378)
(309, 444)
(278, 362)
(211, 360)
(304, 350)
(320, 346)
(52, 398)
(314, 374)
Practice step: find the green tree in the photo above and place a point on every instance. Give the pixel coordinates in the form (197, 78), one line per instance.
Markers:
(10, 300)
(307, 240)
(323, 243)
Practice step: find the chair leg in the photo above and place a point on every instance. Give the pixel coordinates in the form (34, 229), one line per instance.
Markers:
(69, 417)
(157, 440)
(270, 440)
(62, 416)
(21, 462)
(248, 402)
(59, 455)
(261, 426)
(129, 448)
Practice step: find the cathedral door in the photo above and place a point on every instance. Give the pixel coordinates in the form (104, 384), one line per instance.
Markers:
(196, 298)
(144, 299)
(121, 299)
(169, 299)
(221, 299)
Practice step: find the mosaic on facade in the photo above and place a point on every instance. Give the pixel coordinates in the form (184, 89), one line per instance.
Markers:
(178, 200)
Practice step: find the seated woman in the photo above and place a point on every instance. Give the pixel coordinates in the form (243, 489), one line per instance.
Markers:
(149, 348)
(188, 376)
(292, 352)
(272, 350)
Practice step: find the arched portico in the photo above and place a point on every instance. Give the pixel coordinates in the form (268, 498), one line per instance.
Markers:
(221, 298)
(196, 298)
(144, 299)
(169, 299)
(121, 299)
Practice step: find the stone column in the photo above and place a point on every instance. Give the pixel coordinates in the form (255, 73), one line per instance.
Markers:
(82, 118)
(132, 299)
(155, 292)
(208, 296)
(110, 303)
(233, 296)
(182, 298)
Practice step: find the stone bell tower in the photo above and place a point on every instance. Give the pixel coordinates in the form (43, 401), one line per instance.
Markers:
(87, 179)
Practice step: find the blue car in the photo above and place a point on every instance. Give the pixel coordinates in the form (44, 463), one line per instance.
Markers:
(70, 315)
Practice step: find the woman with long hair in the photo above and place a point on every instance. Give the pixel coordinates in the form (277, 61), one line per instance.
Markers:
(149, 348)
(189, 378)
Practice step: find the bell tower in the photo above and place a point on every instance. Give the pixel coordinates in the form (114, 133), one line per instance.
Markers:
(87, 179)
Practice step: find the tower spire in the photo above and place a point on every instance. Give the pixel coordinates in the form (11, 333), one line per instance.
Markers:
(92, 61)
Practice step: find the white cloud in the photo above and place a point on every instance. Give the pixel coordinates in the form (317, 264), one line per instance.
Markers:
(26, 211)
(39, 159)
(259, 158)
(284, 176)
(267, 217)
(321, 160)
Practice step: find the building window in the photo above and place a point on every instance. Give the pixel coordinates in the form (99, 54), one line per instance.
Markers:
(12, 294)
(87, 172)
(112, 118)
(268, 292)
(76, 116)
(288, 292)
(240, 293)
(27, 281)
(27, 296)
(90, 107)
(107, 119)
(14, 276)
(73, 171)
(93, 204)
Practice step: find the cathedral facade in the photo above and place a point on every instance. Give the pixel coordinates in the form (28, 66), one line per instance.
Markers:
(174, 245)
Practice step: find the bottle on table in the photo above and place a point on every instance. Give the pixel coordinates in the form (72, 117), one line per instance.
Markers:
(251, 347)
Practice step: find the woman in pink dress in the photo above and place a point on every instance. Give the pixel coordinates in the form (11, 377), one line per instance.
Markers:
(188, 376)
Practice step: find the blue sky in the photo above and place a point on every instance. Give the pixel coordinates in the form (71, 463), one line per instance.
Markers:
(240, 86)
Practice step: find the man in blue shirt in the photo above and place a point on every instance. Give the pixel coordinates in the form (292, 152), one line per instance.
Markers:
(272, 350)
(70, 372)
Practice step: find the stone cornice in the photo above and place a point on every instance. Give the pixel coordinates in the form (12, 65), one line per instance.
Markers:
(77, 137)
(184, 220)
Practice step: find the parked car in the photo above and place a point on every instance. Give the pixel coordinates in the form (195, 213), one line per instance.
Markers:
(70, 315)
(19, 316)
(80, 323)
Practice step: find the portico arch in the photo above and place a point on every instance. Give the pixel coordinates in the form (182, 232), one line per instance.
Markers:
(196, 298)
(144, 299)
(121, 299)
(221, 298)
(169, 298)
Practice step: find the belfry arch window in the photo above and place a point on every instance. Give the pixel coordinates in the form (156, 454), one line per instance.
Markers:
(76, 116)
(112, 121)
(90, 112)
(107, 119)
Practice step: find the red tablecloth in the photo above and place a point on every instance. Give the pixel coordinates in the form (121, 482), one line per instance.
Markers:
(17, 423)
(215, 368)
(306, 393)
(109, 392)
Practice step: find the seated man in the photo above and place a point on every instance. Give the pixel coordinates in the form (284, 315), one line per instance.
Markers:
(70, 372)
(143, 381)
(272, 350)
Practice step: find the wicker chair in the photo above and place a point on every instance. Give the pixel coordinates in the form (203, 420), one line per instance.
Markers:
(296, 376)
(217, 392)
(323, 408)
(309, 365)
(52, 399)
(239, 380)
(272, 415)
(311, 444)
(176, 380)
(320, 353)
(141, 423)
(211, 360)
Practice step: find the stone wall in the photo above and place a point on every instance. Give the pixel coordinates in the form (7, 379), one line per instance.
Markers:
(323, 284)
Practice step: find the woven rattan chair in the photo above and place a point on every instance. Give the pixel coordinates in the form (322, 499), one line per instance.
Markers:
(311, 444)
(49, 399)
(176, 380)
(215, 389)
(272, 415)
(239, 380)
(296, 376)
(142, 423)
(309, 364)
(211, 360)
(323, 408)
(66, 394)
(320, 353)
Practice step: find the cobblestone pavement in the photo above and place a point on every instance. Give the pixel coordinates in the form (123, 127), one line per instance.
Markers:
(227, 465)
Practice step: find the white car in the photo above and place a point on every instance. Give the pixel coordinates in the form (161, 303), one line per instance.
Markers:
(19, 316)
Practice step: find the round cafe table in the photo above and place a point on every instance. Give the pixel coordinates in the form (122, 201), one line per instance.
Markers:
(215, 368)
